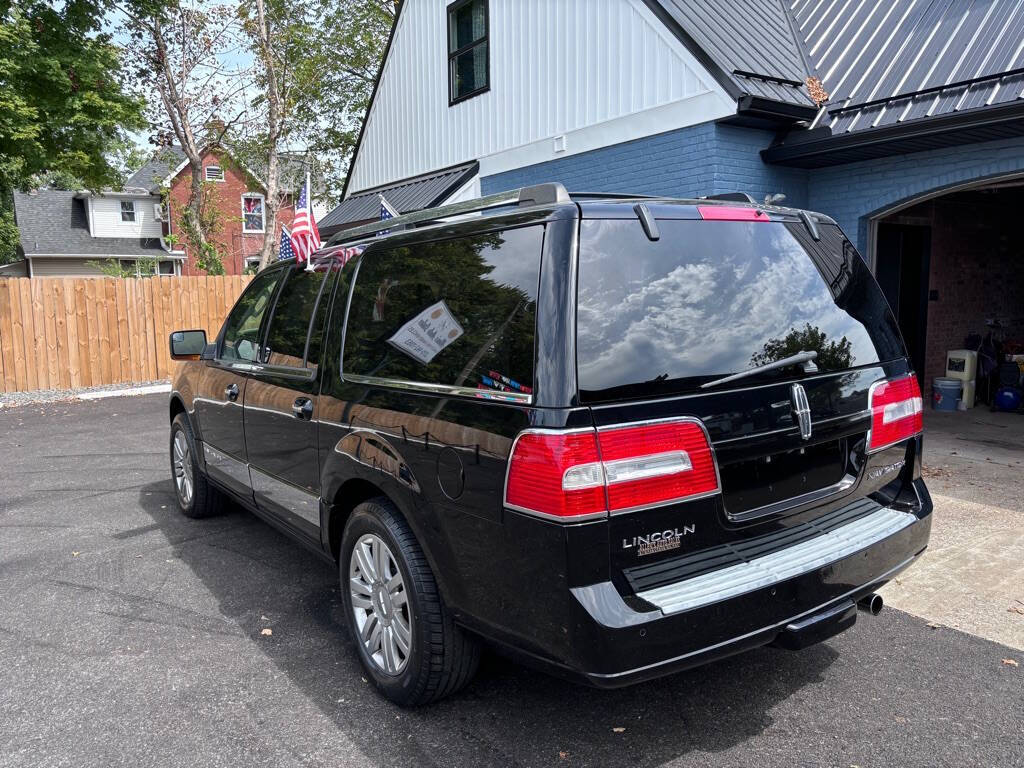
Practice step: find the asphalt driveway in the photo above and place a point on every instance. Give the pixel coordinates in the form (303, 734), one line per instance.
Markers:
(130, 635)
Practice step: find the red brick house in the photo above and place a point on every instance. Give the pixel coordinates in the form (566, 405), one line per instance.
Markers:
(236, 191)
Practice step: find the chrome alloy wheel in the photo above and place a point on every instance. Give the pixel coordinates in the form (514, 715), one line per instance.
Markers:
(380, 604)
(183, 468)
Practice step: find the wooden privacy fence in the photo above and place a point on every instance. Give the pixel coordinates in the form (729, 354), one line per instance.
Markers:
(65, 333)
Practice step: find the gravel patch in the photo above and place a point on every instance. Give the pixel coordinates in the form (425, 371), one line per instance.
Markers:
(15, 399)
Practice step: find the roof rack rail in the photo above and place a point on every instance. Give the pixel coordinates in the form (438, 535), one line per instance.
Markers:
(609, 196)
(539, 194)
(732, 197)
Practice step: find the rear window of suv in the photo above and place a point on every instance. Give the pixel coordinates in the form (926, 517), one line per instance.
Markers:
(713, 298)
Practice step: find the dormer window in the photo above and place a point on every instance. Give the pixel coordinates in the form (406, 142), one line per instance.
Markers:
(127, 210)
(214, 173)
(468, 61)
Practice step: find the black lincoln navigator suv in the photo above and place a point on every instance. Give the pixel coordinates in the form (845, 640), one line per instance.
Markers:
(616, 437)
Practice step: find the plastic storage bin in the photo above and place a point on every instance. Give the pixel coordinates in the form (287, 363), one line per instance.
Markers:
(961, 364)
(945, 393)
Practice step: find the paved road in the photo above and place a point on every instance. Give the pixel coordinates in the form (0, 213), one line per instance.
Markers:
(132, 636)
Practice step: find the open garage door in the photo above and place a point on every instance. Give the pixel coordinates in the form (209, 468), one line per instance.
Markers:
(952, 268)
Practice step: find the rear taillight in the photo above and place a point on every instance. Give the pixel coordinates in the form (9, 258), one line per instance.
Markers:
(582, 474)
(896, 412)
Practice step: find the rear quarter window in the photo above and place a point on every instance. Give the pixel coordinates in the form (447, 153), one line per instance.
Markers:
(713, 298)
(455, 312)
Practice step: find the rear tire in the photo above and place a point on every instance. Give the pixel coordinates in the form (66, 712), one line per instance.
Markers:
(392, 602)
(196, 496)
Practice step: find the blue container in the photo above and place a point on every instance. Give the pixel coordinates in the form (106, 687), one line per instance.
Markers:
(1008, 399)
(945, 393)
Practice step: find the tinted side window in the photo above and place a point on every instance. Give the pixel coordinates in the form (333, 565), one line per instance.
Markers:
(454, 312)
(289, 325)
(242, 328)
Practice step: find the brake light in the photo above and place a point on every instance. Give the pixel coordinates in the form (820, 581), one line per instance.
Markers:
(731, 213)
(897, 412)
(556, 474)
(586, 474)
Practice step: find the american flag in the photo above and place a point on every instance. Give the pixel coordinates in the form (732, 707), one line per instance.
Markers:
(305, 235)
(285, 250)
(387, 211)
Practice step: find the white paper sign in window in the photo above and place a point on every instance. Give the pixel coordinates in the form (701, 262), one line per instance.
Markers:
(427, 334)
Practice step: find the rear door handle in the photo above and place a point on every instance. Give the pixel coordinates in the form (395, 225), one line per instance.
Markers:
(302, 408)
(231, 392)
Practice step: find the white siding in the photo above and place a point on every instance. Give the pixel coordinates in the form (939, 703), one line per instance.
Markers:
(597, 72)
(106, 217)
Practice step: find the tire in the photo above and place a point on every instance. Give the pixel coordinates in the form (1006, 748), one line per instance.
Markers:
(203, 500)
(441, 657)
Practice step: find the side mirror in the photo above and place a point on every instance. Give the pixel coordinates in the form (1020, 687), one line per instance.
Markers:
(187, 345)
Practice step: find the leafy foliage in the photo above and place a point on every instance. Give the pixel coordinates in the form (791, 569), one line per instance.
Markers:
(143, 266)
(8, 237)
(62, 104)
(832, 355)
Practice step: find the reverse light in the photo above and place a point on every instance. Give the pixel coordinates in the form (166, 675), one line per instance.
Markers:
(897, 412)
(588, 473)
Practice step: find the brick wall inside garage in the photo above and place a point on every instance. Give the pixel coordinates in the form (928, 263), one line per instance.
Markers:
(977, 269)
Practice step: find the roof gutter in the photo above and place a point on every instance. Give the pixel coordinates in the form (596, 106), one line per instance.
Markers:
(818, 148)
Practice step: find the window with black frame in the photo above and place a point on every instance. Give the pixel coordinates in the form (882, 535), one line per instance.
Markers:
(468, 55)
(454, 313)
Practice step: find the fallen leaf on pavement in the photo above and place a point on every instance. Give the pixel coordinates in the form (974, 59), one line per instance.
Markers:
(1011, 662)
(74, 554)
(267, 631)
(618, 730)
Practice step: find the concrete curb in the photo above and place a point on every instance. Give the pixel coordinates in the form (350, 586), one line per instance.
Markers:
(127, 392)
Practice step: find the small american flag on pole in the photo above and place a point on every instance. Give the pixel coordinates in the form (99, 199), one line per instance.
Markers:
(305, 236)
(285, 250)
(387, 211)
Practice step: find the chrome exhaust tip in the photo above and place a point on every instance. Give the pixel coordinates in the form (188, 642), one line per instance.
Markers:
(871, 604)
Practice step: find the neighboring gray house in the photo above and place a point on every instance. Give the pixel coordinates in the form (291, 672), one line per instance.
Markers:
(62, 232)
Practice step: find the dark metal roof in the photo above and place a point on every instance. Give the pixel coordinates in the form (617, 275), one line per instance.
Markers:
(54, 222)
(894, 62)
(424, 191)
(750, 43)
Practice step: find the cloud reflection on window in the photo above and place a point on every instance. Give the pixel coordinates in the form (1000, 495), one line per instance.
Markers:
(700, 302)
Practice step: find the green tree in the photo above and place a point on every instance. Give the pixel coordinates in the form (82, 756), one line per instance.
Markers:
(832, 355)
(315, 64)
(186, 52)
(62, 102)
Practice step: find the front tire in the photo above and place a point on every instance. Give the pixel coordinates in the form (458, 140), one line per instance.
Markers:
(406, 640)
(196, 496)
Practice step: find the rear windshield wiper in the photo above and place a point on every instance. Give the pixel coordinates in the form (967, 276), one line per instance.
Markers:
(805, 358)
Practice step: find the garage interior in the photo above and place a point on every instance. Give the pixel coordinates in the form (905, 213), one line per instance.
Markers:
(952, 268)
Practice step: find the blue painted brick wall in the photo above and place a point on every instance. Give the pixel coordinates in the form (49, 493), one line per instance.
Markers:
(711, 158)
(853, 193)
(690, 162)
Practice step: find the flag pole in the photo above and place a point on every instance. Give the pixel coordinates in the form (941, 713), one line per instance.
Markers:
(309, 211)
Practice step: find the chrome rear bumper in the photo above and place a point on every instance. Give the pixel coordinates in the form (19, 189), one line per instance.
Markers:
(779, 566)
